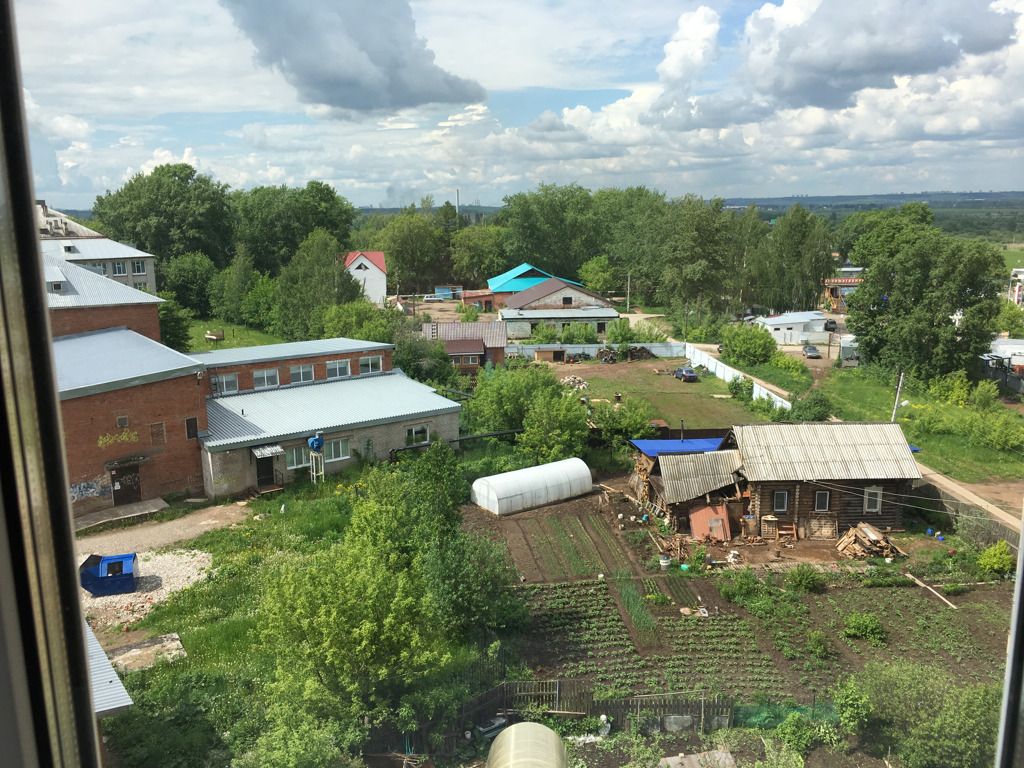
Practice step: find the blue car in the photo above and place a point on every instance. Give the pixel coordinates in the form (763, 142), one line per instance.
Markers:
(686, 374)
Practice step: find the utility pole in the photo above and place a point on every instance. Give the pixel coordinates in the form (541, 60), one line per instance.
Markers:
(899, 389)
(629, 277)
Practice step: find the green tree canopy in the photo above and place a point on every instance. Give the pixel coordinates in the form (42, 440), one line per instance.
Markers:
(598, 275)
(175, 321)
(789, 266)
(478, 253)
(413, 252)
(170, 212)
(189, 276)
(555, 427)
(751, 344)
(503, 396)
(553, 228)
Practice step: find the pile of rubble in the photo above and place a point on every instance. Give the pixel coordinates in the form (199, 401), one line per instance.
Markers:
(867, 541)
(574, 382)
(641, 353)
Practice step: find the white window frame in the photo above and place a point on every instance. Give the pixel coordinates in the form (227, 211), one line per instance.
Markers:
(301, 370)
(873, 493)
(264, 374)
(775, 501)
(227, 383)
(410, 434)
(101, 266)
(138, 267)
(337, 449)
(298, 453)
(337, 369)
(120, 270)
(818, 507)
(140, 286)
(374, 364)
(471, 359)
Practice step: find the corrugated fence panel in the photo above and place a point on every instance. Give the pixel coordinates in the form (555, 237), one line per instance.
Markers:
(661, 349)
(726, 373)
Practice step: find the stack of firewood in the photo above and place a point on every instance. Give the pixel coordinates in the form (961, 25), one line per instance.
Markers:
(867, 541)
(574, 382)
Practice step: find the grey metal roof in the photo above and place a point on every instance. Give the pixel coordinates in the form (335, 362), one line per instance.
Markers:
(689, 476)
(493, 334)
(58, 225)
(827, 451)
(81, 287)
(546, 288)
(287, 351)
(792, 317)
(596, 313)
(91, 249)
(114, 358)
(255, 418)
(108, 694)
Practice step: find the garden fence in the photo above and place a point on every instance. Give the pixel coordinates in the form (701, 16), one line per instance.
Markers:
(765, 716)
(973, 523)
(727, 374)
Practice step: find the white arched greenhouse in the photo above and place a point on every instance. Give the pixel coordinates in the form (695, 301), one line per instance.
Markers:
(532, 487)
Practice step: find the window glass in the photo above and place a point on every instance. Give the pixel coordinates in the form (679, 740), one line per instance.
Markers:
(417, 435)
(119, 268)
(567, 301)
(138, 267)
(369, 364)
(101, 266)
(821, 501)
(780, 501)
(301, 373)
(337, 369)
(297, 457)
(873, 499)
(140, 286)
(264, 378)
(336, 450)
(227, 383)
(456, 360)
(191, 428)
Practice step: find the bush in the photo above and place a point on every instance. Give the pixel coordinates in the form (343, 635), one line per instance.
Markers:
(805, 578)
(797, 732)
(818, 645)
(544, 333)
(747, 344)
(646, 332)
(949, 590)
(619, 331)
(741, 388)
(866, 626)
(997, 558)
(579, 333)
(851, 705)
(815, 407)
(740, 586)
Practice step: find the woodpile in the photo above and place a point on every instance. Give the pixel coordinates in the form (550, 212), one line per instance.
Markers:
(867, 541)
(641, 353)
(574, 382)
(675, 545)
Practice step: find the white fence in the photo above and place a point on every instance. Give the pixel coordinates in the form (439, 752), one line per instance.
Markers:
(724, 372)
(661, 349)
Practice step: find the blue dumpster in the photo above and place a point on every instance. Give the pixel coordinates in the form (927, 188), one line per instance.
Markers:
(113, 575)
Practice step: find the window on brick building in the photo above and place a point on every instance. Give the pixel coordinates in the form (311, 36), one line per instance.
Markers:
(101, 266)
(567, 301)
(157, 434)
(297, 457)
(369, 364)
(301, 373)
(191, 428)
(336, 450)
(122, 422)
(265, 378)
(140, 286)
(226, 383)
(417, 435)
(337, 369)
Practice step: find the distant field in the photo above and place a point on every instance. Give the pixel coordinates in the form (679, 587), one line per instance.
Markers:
(234, 336)
(1014, 255)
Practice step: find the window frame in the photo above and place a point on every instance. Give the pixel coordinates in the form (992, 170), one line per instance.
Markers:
(345, 454)
(828, 499)
(264, 372)
(119, 269)
(873, 492)
(290, 455)
(775, 503)
(567, 301)
(301, 379)
(139, 263)
(100, 265)
(224, 377)
(471, 359)
(369, 361)
(191, 428)
(140, 286)
(339, 363)
(410, 434)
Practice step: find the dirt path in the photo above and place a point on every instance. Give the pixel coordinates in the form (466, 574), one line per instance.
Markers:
(154, 535)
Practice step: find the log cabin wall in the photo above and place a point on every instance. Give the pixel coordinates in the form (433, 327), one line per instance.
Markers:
(845, 502)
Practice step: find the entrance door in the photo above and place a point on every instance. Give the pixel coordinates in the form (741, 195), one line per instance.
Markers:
(265, 471)
(126, 486)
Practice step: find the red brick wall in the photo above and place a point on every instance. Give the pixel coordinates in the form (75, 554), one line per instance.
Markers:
(141, 318)
(244, 371)
(92, 437)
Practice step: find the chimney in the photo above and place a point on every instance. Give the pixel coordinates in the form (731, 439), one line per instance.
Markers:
(682, 427)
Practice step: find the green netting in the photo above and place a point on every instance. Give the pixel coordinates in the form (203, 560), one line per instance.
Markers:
(771, 715)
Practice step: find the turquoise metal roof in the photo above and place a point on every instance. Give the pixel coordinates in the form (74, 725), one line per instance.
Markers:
(269, 415)
(520, 279)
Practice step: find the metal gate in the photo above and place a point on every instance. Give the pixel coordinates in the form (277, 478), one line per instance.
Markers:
(127, 489)
(823, 527)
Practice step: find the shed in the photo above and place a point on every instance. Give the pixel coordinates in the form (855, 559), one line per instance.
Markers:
(512, 492)
(710, 520)
(111, 575)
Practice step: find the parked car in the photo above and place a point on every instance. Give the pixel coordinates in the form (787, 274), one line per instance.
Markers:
(830, 325)
(812, 351)
(686, 374)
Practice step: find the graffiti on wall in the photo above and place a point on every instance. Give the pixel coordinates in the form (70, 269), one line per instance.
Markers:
(84, 490)
(124, 436)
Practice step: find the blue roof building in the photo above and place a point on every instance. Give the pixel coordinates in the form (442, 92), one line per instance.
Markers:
(521, 278)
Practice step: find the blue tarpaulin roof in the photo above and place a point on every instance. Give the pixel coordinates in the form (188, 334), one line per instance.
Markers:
(699, 445)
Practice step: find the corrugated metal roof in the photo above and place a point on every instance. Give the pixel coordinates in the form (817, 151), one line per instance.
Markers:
(108, 694)
(546, 288)
(597, 313)
(689, 476)
(493, 334)
(795, 318)
(287, 351)
(253, 418)
(464, 347)
(92, 249)
(114, 358)
(84, 288)
(828, 451)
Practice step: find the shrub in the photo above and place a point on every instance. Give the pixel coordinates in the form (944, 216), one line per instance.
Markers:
(470, 314)
(698, 557)
(741, 388)
(740, 586)
(866, 626)
(797, 732)
(805, 578)
(747, 344)
(949, 590)
(646, 332)
(619, 331)
(815, 407)
(851, 704)
(786, 362)
(544, 333)
(818, 645)
(997, 558)
(579, 333)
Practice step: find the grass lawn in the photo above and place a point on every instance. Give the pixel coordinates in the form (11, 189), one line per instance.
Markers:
(1014, 255)
(863, 396)
(234, 336)
(794, 383)
(672, 399)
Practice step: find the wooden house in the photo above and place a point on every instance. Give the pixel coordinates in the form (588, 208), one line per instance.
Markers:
(818, 480)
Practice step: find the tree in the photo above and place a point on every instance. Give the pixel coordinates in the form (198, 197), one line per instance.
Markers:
(633, 226)
(544, 333)
(503, 396)
(579, 333)
(188, 277)
(630, 420)
(791, 263)
(259, 306)
(170, 212)
(411, 244)
(751, 344)
(478, 253)
(228, 290)
(816, 406)
(553, 228)
(175, 322)
(555, 428)
(928, 302)
(619, 331)
(597, 274)
(1011, 319)
(312, 282)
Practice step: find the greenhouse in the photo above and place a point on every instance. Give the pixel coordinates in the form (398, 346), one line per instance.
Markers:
(532, 487)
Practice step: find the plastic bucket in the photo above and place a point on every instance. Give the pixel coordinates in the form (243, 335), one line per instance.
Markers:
(665, 561)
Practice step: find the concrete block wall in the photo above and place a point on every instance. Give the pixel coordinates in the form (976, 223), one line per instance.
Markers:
(578, 298)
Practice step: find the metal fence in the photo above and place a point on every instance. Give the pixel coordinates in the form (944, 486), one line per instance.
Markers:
(661, 349)
(727, 373)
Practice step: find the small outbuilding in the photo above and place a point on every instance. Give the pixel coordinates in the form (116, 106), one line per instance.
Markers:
(512, 492)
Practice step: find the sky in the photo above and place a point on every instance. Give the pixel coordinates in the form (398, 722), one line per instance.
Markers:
(392, 100)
